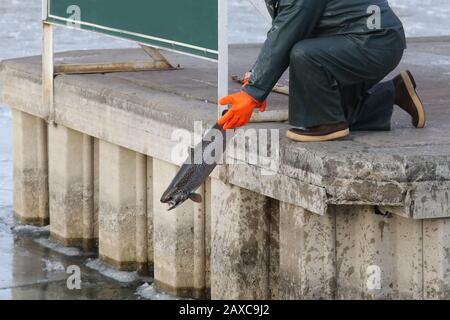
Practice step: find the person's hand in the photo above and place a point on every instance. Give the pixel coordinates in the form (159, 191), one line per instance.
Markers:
(242, 106)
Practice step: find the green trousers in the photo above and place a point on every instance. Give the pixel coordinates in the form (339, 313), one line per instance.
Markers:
(336, 79)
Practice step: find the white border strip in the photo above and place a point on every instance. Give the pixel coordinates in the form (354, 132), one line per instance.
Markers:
(137, 34)
(45, 9)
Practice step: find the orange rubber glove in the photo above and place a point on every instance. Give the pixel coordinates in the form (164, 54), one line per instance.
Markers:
(246, 79)
(242, 106)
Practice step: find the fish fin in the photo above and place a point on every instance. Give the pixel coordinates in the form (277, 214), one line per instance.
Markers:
(196, 197)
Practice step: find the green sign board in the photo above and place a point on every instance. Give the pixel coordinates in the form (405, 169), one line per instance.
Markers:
(186, 26)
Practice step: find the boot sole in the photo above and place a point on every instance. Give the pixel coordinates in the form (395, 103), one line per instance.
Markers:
(410, 84)
(328, 137)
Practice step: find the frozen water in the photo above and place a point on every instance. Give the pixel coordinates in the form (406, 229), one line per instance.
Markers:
(148, 291)
(53, 266)
(67, 251)
(32, 231)
(420, 18)
(121, 276)
(424, 17)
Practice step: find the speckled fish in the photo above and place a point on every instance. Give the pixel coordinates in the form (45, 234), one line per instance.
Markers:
(191, 174)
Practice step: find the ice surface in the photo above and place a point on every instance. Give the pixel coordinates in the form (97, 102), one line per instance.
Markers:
(67, 251)
(53, 266)
(28, 230)
(148, 291)
(423, 17)
(121, 276)
(420, 18)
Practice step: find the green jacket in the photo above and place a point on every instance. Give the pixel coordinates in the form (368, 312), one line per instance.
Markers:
(295, 20)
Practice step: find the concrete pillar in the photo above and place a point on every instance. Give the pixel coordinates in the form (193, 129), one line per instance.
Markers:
(177, 258)
(141, 213)
(96, 186)
(30, 173)
(378, 256)
(239, 243)
(307, 254)
(199, 242)
(122, 207)
(150, 209)
(71, 182)
(207, 217)
(436, 256)
(274, 249)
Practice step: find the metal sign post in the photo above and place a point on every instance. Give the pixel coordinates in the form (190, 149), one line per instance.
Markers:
(47, 64)
(223, 53)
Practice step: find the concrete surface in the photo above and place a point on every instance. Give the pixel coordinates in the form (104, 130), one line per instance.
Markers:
(436, 244)
(71, 187)
(173, 238)
(30, 171)
(240, 247)
(345, 219)
(307, 254)
(122, 207)
(369, 245)
(405, 169)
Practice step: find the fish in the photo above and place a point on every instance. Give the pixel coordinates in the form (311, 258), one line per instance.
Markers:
(191, 174)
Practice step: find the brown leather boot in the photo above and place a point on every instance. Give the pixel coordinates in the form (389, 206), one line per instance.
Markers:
(406, 98)
(326, 132)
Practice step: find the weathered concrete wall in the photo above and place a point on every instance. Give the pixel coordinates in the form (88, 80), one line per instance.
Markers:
(71, 187)
(274, 249)
(30, 168)
(368, 169)
(149, 220)
(307, 254)
(436, 259)
(123, 207)
(378, 257)
(354, 252)
(240, 247)
(310, 228)
(178, 244)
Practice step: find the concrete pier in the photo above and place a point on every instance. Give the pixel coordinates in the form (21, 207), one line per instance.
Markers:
(179, 239)
(307, 254)
(71, 182)
(30, 156)
(123, 207)
(436, 271)
(362, 218)
(240, 243)
(379, 257)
